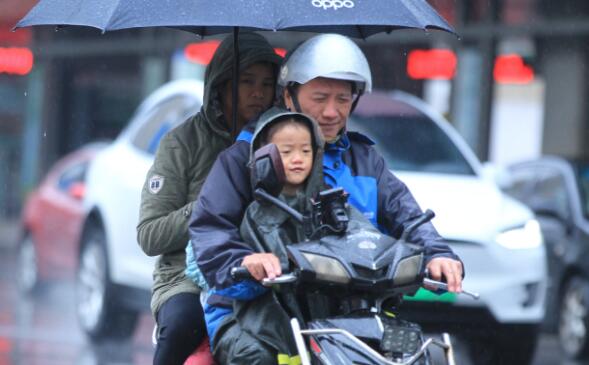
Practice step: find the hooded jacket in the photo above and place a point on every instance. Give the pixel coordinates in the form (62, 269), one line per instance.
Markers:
(265, 228)
(264, 225)
(182, 162)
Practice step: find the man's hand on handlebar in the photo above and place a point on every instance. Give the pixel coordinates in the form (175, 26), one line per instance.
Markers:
(450, 269)
(262, 265)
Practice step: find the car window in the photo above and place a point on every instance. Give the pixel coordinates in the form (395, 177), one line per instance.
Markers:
(550, 193)
(584, 184)
(412, 142)
(73, 174)
(164, 117)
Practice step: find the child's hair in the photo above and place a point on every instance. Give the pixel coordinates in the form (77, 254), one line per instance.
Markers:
(277, 125)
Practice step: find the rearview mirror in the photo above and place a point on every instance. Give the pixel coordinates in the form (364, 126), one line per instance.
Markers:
(267, 170)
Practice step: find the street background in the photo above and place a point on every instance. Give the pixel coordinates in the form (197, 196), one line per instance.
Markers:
(514, 85)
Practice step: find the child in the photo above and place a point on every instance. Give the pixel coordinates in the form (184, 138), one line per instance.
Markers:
(301, 150)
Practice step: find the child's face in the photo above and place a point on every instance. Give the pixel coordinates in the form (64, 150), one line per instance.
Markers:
(294, 144)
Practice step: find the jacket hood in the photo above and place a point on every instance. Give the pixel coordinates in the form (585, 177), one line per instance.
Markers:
(253, 48)
(314, 182)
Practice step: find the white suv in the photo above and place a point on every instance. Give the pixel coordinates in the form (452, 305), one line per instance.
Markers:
(114, 276)
(497, 238)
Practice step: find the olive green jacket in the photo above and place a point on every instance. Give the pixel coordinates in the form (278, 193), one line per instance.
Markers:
(182, 162)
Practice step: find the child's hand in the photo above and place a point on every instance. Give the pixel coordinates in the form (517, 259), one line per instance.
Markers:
(262, 265)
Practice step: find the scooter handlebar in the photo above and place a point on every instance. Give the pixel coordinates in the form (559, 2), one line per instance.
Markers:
(241, 273)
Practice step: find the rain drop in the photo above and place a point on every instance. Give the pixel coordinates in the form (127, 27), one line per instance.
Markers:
(25, 93)
(44, 134)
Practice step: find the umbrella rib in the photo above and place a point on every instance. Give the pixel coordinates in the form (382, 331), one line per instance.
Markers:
(359, 28)
(110, 17)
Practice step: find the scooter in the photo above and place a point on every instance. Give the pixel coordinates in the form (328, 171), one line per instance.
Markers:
(363, 273)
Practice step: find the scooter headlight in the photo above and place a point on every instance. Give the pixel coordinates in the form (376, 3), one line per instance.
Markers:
(327, 268)
(527, 236)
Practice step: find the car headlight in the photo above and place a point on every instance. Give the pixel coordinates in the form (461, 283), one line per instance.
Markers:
(327, 268)
(527, 236)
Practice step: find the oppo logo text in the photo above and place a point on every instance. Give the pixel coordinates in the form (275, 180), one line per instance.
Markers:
(333, 4)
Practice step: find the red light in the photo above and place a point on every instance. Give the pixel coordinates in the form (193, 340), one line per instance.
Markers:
(431, 64)
(280, 51)
(511, 69)
(18, 61)
(202, 53)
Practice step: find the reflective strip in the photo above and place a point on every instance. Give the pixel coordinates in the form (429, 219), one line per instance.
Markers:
(285, 359)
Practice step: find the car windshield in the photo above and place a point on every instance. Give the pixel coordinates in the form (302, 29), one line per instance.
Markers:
(410, 141)
(584, 184)
(161, 119)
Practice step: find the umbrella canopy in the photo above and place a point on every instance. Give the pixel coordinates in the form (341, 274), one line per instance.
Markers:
(353, 18)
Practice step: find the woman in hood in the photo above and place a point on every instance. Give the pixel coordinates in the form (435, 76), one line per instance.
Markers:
(182, 162)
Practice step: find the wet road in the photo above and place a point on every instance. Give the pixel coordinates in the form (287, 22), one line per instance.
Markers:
(42, 329)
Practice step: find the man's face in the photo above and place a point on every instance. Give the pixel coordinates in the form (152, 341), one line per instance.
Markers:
(328, 101)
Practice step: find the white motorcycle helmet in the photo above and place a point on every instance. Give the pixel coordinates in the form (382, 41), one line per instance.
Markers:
(327, 55)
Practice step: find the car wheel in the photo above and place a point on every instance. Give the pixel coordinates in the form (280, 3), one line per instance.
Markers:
(99, 312)
(573, 321)
(505, 345)
(28, 276)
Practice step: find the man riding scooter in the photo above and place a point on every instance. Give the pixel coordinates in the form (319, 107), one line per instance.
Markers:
(323, 78)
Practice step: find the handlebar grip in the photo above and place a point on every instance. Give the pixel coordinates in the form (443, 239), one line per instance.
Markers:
(240, 273)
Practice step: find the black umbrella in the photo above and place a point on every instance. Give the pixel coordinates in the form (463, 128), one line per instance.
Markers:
(353, 18)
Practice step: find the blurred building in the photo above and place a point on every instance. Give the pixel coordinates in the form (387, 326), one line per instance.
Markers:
(16, 63)
(513, 84)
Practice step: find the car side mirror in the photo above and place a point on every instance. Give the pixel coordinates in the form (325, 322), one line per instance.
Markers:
(267, 170)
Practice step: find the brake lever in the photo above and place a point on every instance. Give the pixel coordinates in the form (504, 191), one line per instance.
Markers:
(282, 279)
(438, 285)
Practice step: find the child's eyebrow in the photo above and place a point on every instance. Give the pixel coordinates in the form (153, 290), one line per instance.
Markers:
(290, 145)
